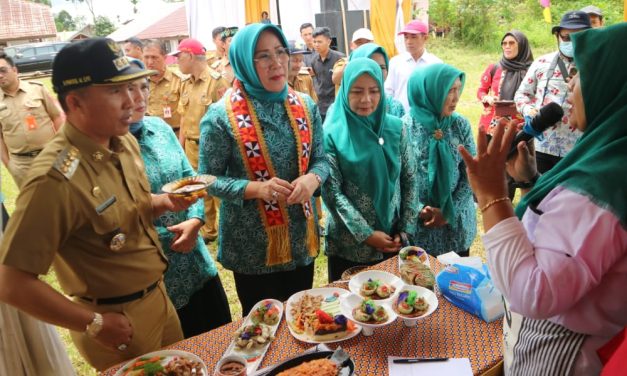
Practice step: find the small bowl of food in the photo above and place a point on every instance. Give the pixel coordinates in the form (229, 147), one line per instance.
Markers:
(413, 254)
(414, 303)
(231, 365)
(368, 313)
(375, 284)
(191, 186)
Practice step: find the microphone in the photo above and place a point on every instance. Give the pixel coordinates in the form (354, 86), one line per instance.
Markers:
(546, 117)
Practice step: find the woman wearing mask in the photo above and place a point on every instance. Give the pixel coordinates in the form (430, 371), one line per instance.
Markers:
(263, 142)
(560, 259)
(447, 222)
(371, 192)
(192, 279)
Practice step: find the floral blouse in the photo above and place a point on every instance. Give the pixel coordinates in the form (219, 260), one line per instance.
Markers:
(243, 239)
(351, 215)
(457, 236)
(394, 107)
(559, 139)
(165, 161)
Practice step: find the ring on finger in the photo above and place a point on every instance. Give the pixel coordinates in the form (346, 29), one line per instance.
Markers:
(275, 194)
(122, 347)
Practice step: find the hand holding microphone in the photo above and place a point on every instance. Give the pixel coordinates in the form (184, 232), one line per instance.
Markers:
(547, 117)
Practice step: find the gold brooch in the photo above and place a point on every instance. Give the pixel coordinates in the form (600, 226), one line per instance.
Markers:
(438, 134)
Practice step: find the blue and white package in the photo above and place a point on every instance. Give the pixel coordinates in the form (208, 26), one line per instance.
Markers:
(471, 290)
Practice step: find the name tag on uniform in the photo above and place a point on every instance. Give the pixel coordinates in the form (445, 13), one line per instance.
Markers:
(31, 122)
(105, 205)
(167, 112)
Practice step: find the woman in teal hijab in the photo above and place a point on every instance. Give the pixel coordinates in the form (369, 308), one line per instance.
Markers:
(560, 259)
(263, 142)
(378, 54)
(447, 221)
(371, 191)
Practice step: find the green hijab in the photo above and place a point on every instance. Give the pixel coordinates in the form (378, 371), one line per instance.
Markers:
(427, 90)
(597, 166)
(366, 50)
(241, 54)
(355, 142)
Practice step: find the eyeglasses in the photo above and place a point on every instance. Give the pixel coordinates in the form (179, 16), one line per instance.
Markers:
(265, 59)
(565, 38)
(506, 43)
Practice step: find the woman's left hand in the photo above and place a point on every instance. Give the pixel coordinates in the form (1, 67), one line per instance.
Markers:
(486, 171)
(432, 217)
(304, 188)
(185, 235)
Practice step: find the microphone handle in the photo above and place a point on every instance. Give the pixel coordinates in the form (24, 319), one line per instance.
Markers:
(520, 136)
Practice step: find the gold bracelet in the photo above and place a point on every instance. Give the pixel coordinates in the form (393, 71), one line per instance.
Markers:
(495, 201)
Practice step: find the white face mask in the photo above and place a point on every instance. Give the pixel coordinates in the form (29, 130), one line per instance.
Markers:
(566, 48)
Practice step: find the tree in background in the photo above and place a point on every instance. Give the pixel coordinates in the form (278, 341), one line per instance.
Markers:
(64, 21)
(134, 2)
(45, 2)
(103, 26)
(90, 6)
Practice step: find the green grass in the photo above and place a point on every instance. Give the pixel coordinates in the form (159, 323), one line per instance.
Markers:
(472, 62)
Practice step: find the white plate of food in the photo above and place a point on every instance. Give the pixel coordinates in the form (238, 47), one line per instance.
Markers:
(375, 284)
(174, 362)
(414, 303)
(314, 316)
(368, 313)
(252, 339)
(189, 186)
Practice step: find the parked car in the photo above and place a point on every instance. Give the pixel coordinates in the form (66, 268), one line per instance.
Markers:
(34, 56)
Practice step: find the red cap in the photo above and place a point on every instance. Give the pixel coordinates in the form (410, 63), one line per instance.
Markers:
(191, 46)
(415, 27)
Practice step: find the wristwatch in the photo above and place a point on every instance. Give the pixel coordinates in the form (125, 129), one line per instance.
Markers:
(318, 178)
(527, 184)
(95, 326)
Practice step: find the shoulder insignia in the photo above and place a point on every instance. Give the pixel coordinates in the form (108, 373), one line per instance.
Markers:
(215, 64)
(35, 83)
(215, 75)
(177, 73)
(67, 161)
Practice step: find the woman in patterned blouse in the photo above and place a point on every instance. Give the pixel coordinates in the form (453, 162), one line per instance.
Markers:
(192, 279)
(263, 141)
(371, 192)
(447, 222)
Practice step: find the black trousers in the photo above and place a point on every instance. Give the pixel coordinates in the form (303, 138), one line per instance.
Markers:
(337, 265)
(545, 162)
(251, 288)
(207, 309)
(5, 217)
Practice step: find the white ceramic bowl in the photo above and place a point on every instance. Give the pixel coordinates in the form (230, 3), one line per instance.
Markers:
(231, 358)
(354, 285)
(352, 301)
(427, 294)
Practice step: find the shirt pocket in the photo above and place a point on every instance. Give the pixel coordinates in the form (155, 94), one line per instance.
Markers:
(172, 97)
(205, 100)
(108, 227)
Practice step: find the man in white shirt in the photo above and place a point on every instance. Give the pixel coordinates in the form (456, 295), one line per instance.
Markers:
(415, 34)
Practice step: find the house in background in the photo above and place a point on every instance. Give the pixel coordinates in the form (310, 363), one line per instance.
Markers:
(25, 22)
(72, 36)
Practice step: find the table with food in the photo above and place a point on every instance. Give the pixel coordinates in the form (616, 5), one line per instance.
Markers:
(349, 327)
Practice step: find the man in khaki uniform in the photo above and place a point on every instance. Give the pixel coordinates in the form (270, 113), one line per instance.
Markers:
(29, 118)
(203, 87)
(86, 208)
(165, 86)
(297, 77)
(223, 66)
(220, 51)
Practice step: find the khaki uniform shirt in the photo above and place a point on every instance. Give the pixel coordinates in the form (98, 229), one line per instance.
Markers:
(223, 66)
(196, 96)
(164, 97)
(303, 83)
(78, 199)
(340, 64)
(26, 117)
(212, 57)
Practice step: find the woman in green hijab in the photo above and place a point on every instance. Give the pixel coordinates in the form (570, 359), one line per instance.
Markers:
(447, 221)
(378, 54)
(263, 142)
(371, 191)
(561, 263)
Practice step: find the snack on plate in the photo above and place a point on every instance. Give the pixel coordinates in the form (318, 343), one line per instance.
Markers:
(252, 336)
(317, 367)
(413, 254)
(409, 304)
(178, 366)
(375, 289)
(266, 313)
(417, 273)
(370, 313)
(232, 368)
(319, 318)
(189, 186)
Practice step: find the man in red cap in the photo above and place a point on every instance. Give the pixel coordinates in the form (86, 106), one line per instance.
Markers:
(415, 34)
(203, 87)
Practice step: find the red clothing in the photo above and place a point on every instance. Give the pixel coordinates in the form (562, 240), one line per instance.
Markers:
(490, 85)
(614, 355)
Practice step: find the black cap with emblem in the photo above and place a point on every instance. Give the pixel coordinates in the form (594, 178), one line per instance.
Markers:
(93, 61)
